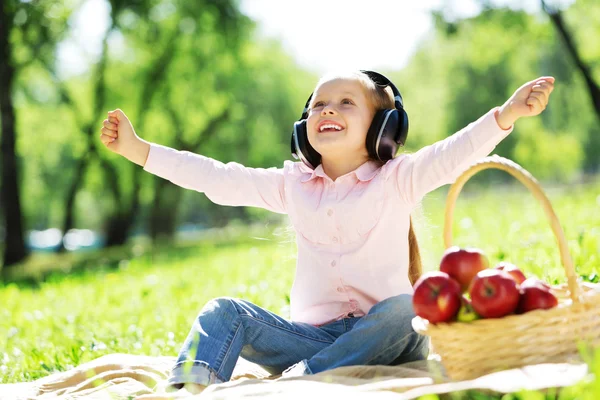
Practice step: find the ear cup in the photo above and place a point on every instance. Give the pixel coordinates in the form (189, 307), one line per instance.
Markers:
(387, 132)
(301, 148)
(373, 133)
(402, 127)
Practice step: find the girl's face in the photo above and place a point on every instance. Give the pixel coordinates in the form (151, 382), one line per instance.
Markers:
(339, 118)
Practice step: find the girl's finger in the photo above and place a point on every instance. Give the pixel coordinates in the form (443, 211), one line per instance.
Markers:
(108, 132)
(549, 79)
(535, 103)
(541, 95)
(545, 86)
(113, 120)
(110, 125)
(106, 140)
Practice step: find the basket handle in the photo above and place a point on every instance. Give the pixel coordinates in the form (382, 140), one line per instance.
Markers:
(531, 183)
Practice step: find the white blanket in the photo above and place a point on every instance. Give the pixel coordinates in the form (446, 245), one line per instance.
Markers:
(124, 376)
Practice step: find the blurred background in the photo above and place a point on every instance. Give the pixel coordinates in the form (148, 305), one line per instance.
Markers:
(228, 78)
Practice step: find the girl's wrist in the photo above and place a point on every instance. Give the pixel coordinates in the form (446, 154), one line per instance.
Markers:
(505, 117)
(140, 152)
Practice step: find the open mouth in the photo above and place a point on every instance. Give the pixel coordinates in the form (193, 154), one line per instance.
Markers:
(329, 127)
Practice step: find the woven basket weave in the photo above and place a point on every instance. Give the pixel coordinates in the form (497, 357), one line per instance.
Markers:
(472, 349)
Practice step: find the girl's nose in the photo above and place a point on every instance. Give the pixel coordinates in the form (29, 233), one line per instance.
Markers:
(328, 110)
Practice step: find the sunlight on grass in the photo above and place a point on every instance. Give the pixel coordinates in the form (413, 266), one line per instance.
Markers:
(144, 307)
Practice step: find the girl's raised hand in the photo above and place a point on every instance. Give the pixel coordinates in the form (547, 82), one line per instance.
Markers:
(528, 100)
(536, 95)
(118, 135)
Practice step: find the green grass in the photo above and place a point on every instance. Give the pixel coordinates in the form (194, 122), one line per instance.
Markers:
(145, 305)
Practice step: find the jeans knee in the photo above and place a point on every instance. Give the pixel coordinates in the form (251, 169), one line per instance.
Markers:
(397, 307)
(415, 348)
(219, 306)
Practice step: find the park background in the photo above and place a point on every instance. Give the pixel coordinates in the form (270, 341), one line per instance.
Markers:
(99, 256)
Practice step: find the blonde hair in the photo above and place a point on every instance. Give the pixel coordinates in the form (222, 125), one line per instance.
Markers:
(383, 98)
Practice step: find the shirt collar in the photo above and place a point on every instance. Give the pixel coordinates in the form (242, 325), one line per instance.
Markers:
(364, 173)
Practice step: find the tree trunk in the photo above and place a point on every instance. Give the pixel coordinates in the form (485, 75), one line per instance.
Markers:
(119, 224)
(158, 219)
(14, 249)
(593, 88)
(69, 219)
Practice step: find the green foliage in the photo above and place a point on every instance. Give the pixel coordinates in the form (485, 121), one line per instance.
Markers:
(211, 62)
(552, 154)
(469, 66)
(215, 62)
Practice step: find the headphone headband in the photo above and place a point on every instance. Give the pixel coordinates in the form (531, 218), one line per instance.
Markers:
(382, 81)
(377, 79)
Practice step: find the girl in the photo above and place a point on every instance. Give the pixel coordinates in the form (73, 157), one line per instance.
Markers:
(349, 201)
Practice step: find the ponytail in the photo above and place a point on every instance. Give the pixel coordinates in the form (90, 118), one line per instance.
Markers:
(414, 268)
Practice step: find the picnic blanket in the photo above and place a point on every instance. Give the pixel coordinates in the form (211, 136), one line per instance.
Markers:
(125, 376)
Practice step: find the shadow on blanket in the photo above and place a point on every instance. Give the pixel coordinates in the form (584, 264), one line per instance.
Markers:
(125, 376)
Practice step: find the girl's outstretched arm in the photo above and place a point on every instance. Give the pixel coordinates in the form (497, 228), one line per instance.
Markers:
(442, 162)
(229, 184)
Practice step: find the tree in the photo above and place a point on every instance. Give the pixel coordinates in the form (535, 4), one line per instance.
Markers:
(14, 249)
(472, 64)
(28, 31)
(189, 29)
(149, 33)
(556, 17)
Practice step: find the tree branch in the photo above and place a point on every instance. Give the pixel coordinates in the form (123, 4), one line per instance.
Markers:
(207, 132)
(558, 22)
(65, 96)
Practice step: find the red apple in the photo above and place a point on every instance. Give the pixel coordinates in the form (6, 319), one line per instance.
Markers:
(437, 297)
(462, 264)
(494, 293)
(513, 270)
(536, 294)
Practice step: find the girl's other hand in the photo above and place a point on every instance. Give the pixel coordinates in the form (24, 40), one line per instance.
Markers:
(527, 101)
(118, 135)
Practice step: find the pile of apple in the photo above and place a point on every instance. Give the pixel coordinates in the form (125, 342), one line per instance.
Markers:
(466, 288)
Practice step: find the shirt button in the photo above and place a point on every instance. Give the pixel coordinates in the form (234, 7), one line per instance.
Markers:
(334, 239)
(340, 289)
(333, 263)
(330, 212)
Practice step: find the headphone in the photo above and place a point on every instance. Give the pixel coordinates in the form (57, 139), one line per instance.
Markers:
(386, 134)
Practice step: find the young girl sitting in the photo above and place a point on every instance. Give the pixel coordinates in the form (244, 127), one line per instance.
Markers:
(349, 200)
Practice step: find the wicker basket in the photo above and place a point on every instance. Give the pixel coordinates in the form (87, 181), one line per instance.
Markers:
(472, 349)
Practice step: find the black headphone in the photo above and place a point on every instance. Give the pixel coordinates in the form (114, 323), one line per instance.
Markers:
(386, 134)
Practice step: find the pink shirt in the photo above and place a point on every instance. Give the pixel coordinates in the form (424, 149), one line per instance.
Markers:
(351, 234)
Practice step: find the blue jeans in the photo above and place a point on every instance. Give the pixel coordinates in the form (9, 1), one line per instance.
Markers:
(228, 328)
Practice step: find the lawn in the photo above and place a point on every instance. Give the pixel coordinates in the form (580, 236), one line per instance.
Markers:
(145, 304)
